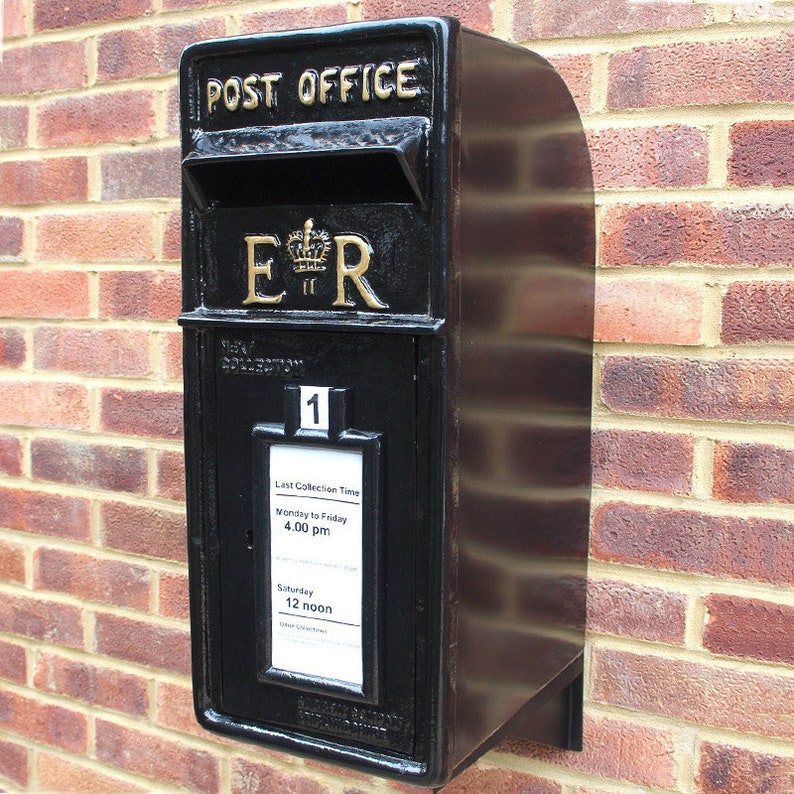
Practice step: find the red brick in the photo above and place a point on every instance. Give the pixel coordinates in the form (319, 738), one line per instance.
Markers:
(36, 404)
(92, 351)
(14, 16)
(172, 239)
(175, 710)
(134, 295)
(44, 67)
(640, 157)
(171, 475)
(749, 628)
(89, 683)
(699, 694)
(156, 757)
(13, 126)
(13, 663)
(643, 461)
(160, 533)
(250, 777)
(616, 750)
(292, 18)
(738, 390)
(734, 770)
(45, 513)
(151, 51)
(754, 548)
(53, 14)
(12, 562)
(174, 602)
(536, 19)
(44, 181)
(577, 72)
(663, 234)
(37, 619)
(142, 642)
(630, 610)
(758, 312)
(97, 118)
(753, 473)
(14, 762)
(95, 465)
(651, 312)
(474, 14)
(106, 236)
(141, 173)
(499, 781)
(91, 579)
(55, 773)
(37, 294)
(10, 455)
(762, 153)
(12, 347)
(171, 356)
(12, 237)
(142, 413)
(703, 73)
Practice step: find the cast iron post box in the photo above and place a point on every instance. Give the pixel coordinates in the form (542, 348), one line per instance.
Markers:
(388, 295)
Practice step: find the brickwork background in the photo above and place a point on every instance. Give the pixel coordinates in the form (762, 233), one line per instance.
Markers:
(690, 682)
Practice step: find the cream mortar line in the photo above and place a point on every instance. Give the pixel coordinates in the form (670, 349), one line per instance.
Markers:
(156, 20)
(733, 197)
(694, 504)
(95, 493)
(699, 116)
(744, 432)
(768, 352)
(704, 32)
(724, 275)
(574, 779)
(95, 381)
(69, 435)
(646, 648)
(737, 737)
(151, 206)
(96, 607)
(35, 541)
(92, 153)
(690, 585)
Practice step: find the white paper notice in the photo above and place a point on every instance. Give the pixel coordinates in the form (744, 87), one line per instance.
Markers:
(315, 561)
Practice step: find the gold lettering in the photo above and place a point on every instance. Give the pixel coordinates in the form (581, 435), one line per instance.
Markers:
(366, 93)
(355, 273)
(404, 91)
(269, 81)
(231, 93)
(346, 85)
(252, 241)
(383, 91)
(307, 87)
(325, 84)
(251, 101)
(214, 88)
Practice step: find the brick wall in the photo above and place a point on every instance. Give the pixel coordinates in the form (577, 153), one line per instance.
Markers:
(690, 682)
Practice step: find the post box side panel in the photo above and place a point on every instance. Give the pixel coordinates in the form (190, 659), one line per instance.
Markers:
(526, 303)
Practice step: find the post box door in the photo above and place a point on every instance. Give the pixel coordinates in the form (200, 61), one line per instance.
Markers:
(386, 378)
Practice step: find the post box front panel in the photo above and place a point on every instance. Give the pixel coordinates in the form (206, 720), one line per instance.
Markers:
(363, 498)
(316, 172)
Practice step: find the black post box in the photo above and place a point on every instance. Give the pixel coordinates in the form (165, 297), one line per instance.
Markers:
(388, 294)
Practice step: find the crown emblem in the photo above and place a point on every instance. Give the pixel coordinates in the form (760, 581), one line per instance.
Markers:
(308, 249)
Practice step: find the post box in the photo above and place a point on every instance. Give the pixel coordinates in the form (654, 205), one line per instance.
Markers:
(388, 293)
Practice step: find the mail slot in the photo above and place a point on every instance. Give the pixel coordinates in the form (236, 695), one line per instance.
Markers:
(388, 302)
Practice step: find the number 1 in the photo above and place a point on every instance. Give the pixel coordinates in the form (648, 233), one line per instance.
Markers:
(314, 401)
